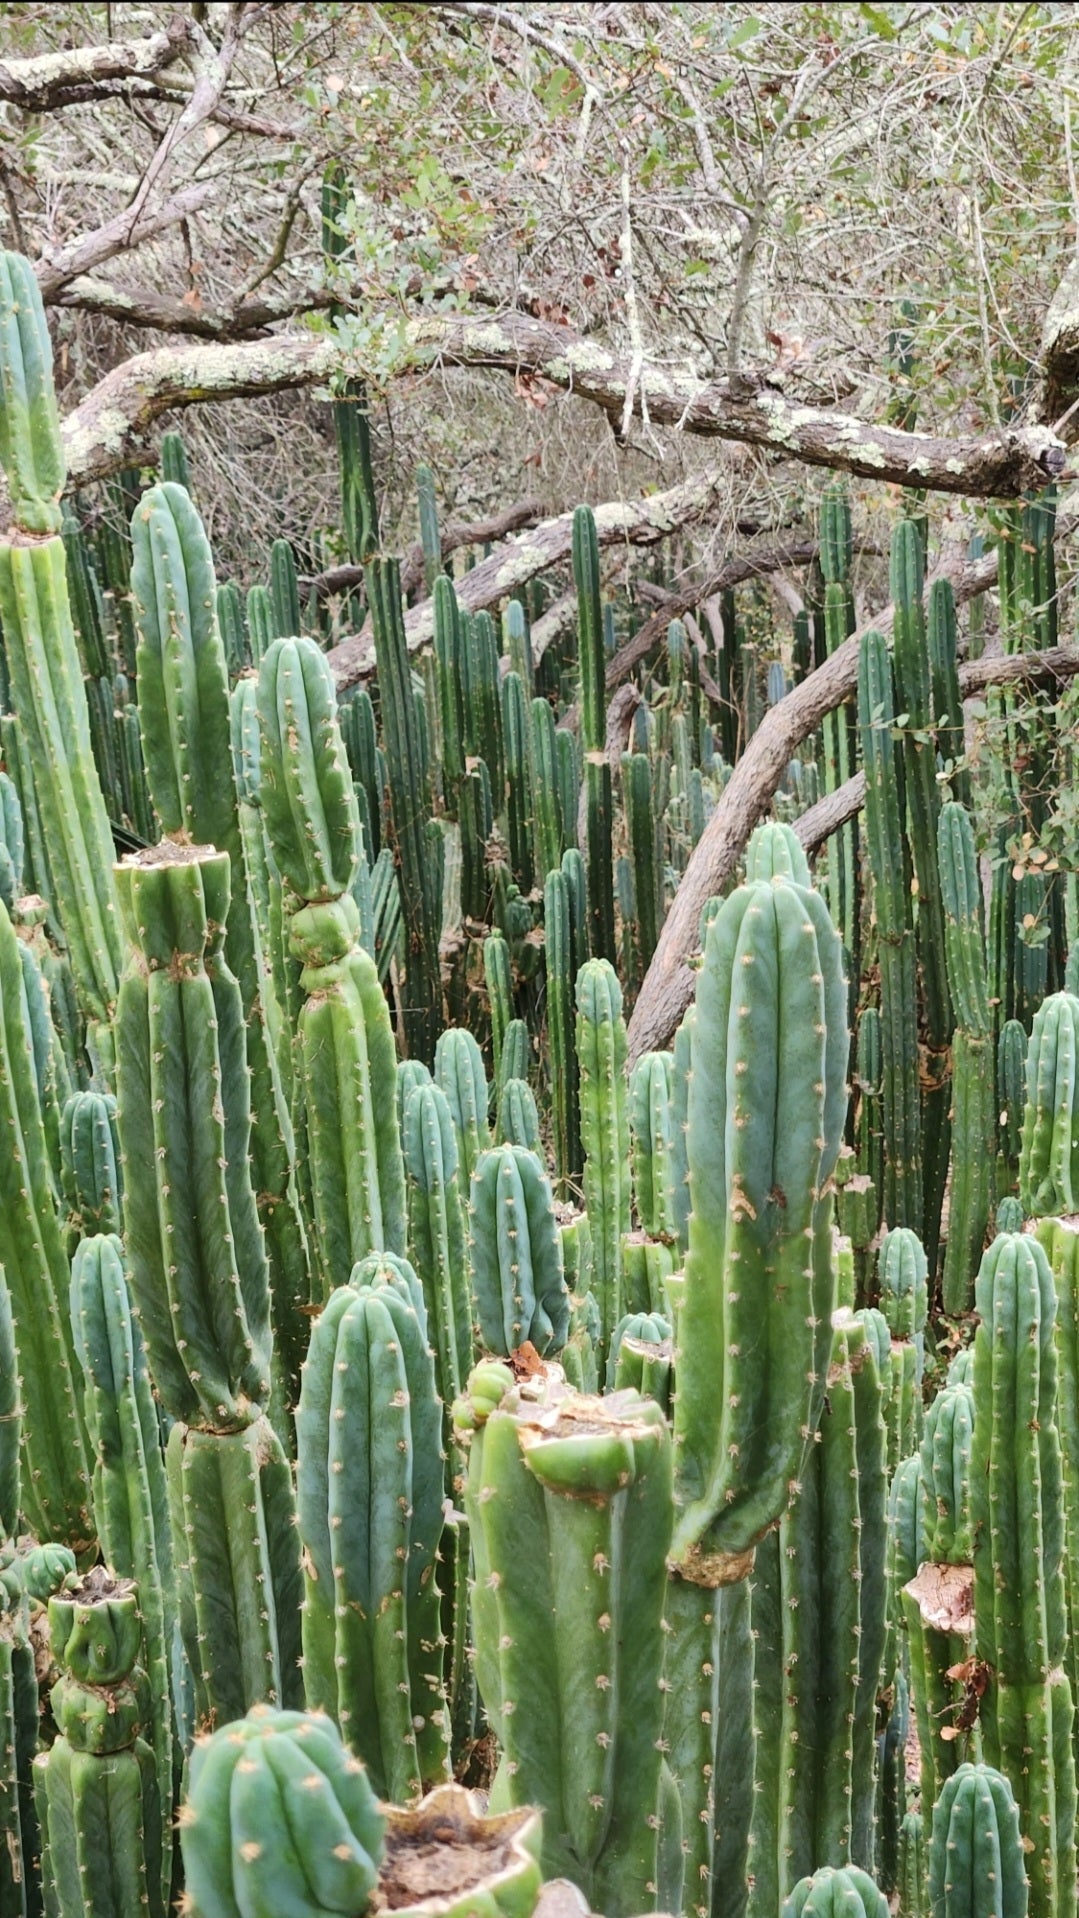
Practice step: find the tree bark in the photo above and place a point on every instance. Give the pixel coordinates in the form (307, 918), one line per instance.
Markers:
(106, 430)
(454, 535)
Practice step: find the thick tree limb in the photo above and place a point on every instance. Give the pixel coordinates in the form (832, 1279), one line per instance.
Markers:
(668, 983)
(635, 523)
(454, 535)
(819, 822)
(47, 81)
(106, 429)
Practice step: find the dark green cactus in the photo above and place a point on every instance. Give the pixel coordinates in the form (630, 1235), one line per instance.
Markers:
(652, 1143)
(753, 1329)
(243, 1855)
(369, 1493)
(884, 811)
(91, 1173)
(421, 892)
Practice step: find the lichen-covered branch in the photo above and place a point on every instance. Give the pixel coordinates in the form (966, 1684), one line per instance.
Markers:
(107, 428)
(47, 81)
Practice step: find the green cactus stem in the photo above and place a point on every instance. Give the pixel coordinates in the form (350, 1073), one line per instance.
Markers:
(569, 1504)
(767, 1098)
(244, 1854)
(976, 1865)
(370, 1494)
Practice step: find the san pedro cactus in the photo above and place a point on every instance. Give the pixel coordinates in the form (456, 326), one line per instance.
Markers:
(569, 1503)
(460, 1073)
(938, 1604)
(370, 1493)
(40, 650)
(652, 1144)
(130, 1496)
(819, 1621)
(597, 771)
(515, 1254)
(18, 1681)
(601, 1058)
(436, 1233)
(186, 729)
(767, 1098)
(973, 1074)
(199, 1278)
(245, 1856)
(89, 1153)
(891, 905)
(1017, 1509)
(836, 1893)
(976, 1853)
(345, 1058)
(97, 1786)
(56, 1485)
(1049, 1159)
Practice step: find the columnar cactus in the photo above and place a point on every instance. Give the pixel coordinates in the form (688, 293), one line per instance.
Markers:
(186, 731)
(460, 1073)
(597, 771)
(91, 1175)
(938, 1604)
(767, 1097)
(976, 1854)
(973, 1066)
(41, 654)
(652, 1143)
(1049, 1160)
(836, 1893)
(1018, 1518)
(199, 1278)
(18, 1682)
(436, 1233)
(601, 1058)
(97, 1786)
(820, 1634)
(891, 905)
(345, 1057)
(569, 1503)
(56, 1484)
(515, 1254)
(129, 1490)
(370, 1493)
(244, 1853)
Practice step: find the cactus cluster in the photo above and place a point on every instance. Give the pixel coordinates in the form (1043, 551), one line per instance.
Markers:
(400, 1384)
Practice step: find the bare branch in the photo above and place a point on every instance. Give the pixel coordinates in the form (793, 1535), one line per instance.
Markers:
(47, 81)
(106, 428)
(118, 235)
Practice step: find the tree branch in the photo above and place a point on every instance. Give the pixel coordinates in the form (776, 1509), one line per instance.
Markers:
(117, 235)
(47, 81)
(636, 523)
(668, 983)
(986, 466)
